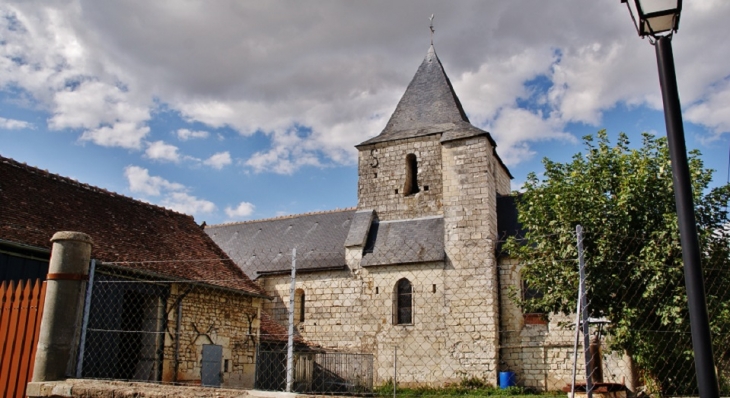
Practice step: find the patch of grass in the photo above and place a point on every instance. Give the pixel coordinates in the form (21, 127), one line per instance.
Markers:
(471, 387)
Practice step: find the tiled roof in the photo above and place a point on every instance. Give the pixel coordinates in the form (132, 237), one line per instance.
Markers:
(272, 331)
(35, 204)
(265, 246)
(405, 242)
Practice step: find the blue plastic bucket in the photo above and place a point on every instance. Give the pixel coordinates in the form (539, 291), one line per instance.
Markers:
(506, 379)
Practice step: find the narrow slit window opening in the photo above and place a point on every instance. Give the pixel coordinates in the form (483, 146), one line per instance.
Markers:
(411, 184)
(404, 302)
(299, 306)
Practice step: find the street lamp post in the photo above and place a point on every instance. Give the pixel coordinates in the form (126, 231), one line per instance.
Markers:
(659, 19)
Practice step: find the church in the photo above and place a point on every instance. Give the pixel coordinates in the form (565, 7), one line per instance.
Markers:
(414, 275)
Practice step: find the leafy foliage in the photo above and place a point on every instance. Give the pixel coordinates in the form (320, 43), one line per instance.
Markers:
(624, 200)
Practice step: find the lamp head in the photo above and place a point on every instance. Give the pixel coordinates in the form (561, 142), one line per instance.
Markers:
(657, 16)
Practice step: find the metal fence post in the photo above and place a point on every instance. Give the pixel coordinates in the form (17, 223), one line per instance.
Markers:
(577, 336)
(85, 320)
(584, 305)
(290, 341)
(395, 369)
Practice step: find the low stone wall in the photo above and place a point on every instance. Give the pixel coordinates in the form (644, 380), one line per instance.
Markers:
(79, 388)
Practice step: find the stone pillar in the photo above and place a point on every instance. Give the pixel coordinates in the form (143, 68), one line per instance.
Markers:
(64, 306)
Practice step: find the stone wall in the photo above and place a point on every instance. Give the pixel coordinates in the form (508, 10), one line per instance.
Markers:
(354, 312)
(382, 175)
(503, 181)
(332, 306)
(541, 353)
(470, 219)
(212, 316)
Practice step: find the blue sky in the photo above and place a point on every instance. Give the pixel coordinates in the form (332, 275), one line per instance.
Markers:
(237, 110)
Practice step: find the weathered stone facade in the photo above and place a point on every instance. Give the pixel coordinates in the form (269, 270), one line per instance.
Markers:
(211, 316)
(427, 214)
(382, 175)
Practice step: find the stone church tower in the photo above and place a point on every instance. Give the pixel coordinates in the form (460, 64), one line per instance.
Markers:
(411, 272)
(430, 168)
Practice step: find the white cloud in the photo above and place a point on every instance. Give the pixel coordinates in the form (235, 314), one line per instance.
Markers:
(289, 152)
(188, 204)
(92, 103)
(46, 55)
(515, 128)
(229, 64)
(172, 195)
(158, 150)
(219, 160)
(125, 135)
(712, 111)
(13, 124)
(500, 82)
(592, 78)
(244, 209)
(140, 181)
(185, 134)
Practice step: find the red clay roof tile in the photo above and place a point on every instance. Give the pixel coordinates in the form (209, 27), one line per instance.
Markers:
(35, 204)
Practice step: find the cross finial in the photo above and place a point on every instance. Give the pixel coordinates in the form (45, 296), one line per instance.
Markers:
(432, 29)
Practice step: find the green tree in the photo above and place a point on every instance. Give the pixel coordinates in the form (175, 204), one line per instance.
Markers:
(624, 200)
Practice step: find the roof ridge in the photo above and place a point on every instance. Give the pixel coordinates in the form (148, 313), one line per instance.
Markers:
(284, 217)
(411, 219)
(75, 183)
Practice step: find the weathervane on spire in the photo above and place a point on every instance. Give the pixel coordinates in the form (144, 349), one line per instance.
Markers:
(432, 29)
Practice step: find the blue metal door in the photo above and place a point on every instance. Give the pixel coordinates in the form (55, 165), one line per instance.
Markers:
(211, 366)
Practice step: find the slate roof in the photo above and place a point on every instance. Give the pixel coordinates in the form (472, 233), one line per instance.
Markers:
(35, 204)
(359, 228)
(405, 242)
(264, 246)
(430, 106)
(429, 100)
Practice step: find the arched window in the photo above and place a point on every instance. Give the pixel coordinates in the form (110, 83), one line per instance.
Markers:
(403, 302)
(299, 308)
(411, 185)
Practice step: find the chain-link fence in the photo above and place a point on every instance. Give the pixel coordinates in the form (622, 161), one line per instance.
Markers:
(633, 296)
(438, 317)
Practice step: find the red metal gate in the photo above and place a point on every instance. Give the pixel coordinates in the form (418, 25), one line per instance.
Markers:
(21, 307)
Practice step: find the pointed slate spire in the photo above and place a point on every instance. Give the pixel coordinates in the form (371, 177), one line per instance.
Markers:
(428, 106)
(429, 98)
